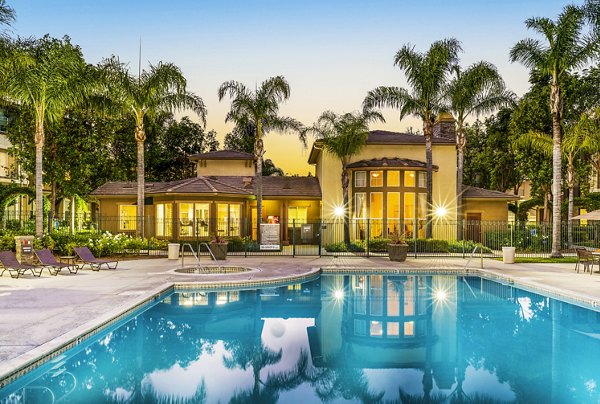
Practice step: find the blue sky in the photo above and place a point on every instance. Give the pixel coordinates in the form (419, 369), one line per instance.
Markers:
(331, 52)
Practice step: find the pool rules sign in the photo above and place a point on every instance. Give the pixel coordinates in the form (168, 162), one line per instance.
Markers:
(269, 237)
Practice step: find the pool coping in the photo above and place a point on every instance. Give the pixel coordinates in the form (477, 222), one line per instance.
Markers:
(16, 367)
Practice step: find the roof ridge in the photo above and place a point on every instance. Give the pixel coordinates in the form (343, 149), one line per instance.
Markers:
(208, 184)
(231, 186)
(181, 184)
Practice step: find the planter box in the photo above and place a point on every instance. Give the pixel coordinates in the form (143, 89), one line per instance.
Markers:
(219, 250)
(397, 252)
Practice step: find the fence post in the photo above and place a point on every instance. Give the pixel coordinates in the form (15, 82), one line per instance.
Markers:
(148, 230)
(415, 230)
(293, 237)
(49, 222)
(368, 237)
(320, 236)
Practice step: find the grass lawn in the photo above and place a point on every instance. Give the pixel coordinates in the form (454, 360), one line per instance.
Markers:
(543, 260)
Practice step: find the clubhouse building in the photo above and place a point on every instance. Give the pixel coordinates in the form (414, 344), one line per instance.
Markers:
(387, 193)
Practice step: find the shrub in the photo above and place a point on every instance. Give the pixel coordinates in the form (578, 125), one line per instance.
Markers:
(343, 247)
(466, 246)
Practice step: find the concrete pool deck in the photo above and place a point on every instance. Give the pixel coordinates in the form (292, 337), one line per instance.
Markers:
(39, 315)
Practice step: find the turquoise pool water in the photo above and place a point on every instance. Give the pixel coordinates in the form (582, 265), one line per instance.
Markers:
(339, 338)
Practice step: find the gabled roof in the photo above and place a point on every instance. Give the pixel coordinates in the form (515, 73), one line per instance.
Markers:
(304, 187)
(291, 186)
(390, 162)
(222, 155)
(387, 137)
(123, 188)
(384, 137)
(204, 185)
(470, 192)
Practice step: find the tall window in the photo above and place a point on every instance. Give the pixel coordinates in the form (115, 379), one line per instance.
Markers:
(297, 214)
(127, 216)
(360, 205)
(376, 209)
(164, 220)
(228, 219)
(393, 212)
(194, 219)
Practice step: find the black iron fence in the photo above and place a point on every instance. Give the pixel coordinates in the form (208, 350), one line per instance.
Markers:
(367, 237)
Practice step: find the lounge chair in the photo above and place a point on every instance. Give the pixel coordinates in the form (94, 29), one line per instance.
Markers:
(587, 259)
(46, 258)
(86, 256)
(9, 261)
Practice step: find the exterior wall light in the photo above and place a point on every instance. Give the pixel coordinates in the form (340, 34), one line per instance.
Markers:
(338, 211)
(441, 211)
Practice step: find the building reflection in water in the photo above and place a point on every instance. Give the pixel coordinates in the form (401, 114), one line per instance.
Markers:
(369, 338)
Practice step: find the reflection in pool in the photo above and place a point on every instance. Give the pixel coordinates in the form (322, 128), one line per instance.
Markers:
(365, 338)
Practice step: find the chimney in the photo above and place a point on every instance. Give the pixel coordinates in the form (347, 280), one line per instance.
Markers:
(445, 126)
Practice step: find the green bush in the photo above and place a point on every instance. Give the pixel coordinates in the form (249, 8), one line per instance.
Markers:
(466, 247)
(357, 246)
(378, 244)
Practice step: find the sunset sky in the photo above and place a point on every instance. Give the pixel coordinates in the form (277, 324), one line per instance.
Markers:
(331, 52)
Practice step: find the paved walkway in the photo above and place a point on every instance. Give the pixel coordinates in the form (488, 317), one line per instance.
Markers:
(38, 315)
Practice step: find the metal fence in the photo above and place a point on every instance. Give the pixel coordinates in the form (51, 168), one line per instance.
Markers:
(363, 238)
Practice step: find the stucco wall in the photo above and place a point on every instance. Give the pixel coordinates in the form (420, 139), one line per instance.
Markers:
(491, 210)
(225, 167)
(444, 180)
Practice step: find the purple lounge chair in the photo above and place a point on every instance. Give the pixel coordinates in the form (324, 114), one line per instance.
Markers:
(86, 256)
(48, 259)
(9, 261)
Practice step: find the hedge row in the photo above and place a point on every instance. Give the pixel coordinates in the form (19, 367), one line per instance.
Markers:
(419, 245)
(101, 244)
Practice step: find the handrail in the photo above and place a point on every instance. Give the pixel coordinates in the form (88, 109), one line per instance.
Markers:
(473, 254)
(193, 253)
(209, 251)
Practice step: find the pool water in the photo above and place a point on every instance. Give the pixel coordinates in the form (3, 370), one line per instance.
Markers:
(339, 338)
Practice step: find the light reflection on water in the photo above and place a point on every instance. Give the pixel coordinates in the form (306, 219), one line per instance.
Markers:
(369, 338)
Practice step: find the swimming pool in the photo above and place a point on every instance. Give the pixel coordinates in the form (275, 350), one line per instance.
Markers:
(337, 338)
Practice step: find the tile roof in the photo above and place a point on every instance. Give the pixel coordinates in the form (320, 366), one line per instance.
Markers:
(222, 155)
(291, 186)
(390, 162)
(470, 192)
(387, 137)
(236, 185)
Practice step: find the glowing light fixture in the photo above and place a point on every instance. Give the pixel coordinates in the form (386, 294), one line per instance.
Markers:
(441, 211)
(338, 294)
(338, 211)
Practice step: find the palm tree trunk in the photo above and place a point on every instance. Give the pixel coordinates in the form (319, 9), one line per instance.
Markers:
(260, 151)
(39, 195)
(556, 104)
(140, 185)
(428, 133)
(571, 185)
(345, 183)
(461, 144)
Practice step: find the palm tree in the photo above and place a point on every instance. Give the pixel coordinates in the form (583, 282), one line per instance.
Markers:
(563, 49)
(427, 74)
(260, 108)
(45, 76)
(7, 14)
(344, 136)
(160, 89)
(580, 140)
(479, 89)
